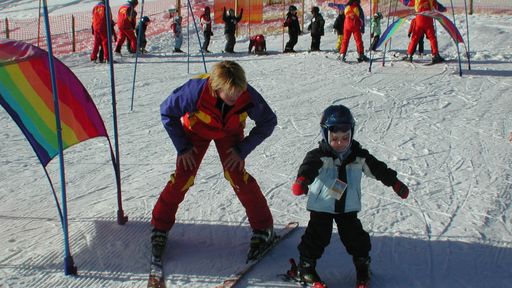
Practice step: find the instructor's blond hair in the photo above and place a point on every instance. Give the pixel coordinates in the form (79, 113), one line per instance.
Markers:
(228, 76)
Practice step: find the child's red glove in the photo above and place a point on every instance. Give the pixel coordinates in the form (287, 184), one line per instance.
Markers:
(300, 186)
(401, 189)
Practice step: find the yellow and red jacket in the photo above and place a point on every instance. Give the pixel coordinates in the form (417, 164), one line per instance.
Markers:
(126, 17)
(99, 23)
(193, 108)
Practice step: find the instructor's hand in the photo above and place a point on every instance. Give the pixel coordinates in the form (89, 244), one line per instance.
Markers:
(234, 161)
(188, 159)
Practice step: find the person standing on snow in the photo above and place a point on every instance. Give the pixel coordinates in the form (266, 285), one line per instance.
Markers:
(331, 177)
(292, 22)
(215, 108)
(317, 28)
(230, 22)
(177, 34)
(375, 30)
(206, 25)
(338, 27)
(126, 21)
(99, 30)
(424, 26)
(421, 40)
(354, 25)
(143, 24)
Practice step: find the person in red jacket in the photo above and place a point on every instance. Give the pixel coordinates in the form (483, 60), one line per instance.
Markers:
(206, 25)
(214, 108)
(424, 26)
(258, 43)
(421, 41)
(99, 30)
(126, 21)
(354, 25)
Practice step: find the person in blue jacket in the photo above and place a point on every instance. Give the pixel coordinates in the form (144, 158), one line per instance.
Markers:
(331, 177)
(215, 108)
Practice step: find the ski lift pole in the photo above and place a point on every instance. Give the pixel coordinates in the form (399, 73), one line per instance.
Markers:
(456, 42)
(386, 44)
(371, 55)
(121, 219)
(69, 265)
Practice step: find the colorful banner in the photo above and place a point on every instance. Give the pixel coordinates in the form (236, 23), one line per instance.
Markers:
(390, 30)
(447, 24)
(26, 94)
(253, 10)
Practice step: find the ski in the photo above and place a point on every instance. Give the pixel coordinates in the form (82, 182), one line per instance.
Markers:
(156, 273)
(234, 278)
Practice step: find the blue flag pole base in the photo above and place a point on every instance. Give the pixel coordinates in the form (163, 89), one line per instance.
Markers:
(69, 266)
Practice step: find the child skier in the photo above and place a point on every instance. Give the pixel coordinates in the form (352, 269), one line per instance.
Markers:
(338, 26)
(143, 25)
(206, 25)
(375, 30)
(332, 174)
(177, 34)
(292, 22)
(317, 28)
(259, 44)
(230, 22)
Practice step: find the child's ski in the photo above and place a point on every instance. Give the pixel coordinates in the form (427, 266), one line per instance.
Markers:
(156, 273)
(234, 278)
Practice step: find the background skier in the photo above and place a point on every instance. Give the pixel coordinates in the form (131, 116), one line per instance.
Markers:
(230, 22)
(206, 25)
(317, 28)
(126, 21)
(354, 25)
(292, 22)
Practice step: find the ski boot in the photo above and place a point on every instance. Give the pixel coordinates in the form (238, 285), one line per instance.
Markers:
(342, 57)
(261, 240)
(437, 59)
(407, 58)
(306, 273)
(362, 271)
(362, 58)
(158, 241)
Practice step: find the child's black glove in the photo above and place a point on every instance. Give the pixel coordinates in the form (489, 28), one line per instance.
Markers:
(401, 189)
(300, 186)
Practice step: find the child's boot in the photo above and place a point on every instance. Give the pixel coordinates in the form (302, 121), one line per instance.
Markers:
(307, 272)
(363, 271)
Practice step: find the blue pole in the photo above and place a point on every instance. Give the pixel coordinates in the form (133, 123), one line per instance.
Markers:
(198, 38)
(121, 219)
(139, 31)
(467, 34)
(69, 266)
(456, 42)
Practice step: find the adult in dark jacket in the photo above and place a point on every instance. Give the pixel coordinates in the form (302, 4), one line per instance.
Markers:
(292, 22)
(230, 21)
(317, 28)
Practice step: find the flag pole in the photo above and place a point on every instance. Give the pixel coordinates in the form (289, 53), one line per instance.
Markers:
(69, 266)
(121, 218)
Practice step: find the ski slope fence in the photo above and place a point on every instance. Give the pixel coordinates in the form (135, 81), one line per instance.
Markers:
(72, 32)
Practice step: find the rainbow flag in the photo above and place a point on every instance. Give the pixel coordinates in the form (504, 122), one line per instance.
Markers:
(26, 94)
(390, 30)
(447, 24)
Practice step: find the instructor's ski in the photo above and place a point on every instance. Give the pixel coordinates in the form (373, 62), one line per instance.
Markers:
(156, 273)
(234, 278)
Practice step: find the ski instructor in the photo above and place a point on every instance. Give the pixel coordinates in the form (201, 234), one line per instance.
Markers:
(214, 107)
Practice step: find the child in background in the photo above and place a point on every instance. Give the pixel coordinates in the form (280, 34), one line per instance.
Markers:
(176, 34)
(206, 25)
(259, 44)
(332, 174)
(317, 28)
(375, 30)
(338, 26)
(143, 24)
(292, 22)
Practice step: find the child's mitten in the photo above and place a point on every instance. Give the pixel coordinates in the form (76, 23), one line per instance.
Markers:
(300, 186)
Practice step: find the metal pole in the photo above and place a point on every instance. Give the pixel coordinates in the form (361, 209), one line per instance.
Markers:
(121, 218)
(69, 266)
